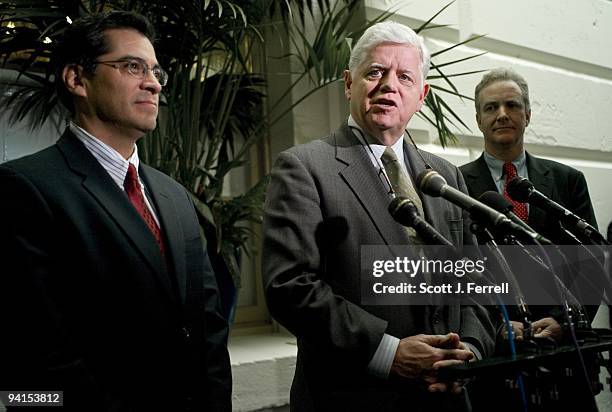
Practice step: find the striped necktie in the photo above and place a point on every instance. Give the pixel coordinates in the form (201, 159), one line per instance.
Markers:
(401, 184)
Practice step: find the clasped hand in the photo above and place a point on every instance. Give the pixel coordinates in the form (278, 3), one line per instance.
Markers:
(542, 328)
(420, 356)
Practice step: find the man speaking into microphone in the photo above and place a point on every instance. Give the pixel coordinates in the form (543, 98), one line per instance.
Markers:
(326, 200)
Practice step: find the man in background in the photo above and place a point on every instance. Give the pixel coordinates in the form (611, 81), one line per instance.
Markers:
(503, 113)
(107, 292)
(326, 200)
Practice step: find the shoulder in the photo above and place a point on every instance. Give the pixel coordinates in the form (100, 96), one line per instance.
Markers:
(558, 170)
(437, 162)
(470, 167)
(311, 155)
(317, 146)
(448, 170)
(45, 170)
(161, 180)
(38, 163)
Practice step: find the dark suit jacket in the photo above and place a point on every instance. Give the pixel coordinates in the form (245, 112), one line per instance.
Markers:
(561, 183)
(324, 202)
(88, 303)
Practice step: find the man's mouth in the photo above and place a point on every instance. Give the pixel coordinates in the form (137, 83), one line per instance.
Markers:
(384, 102)
(147, 102)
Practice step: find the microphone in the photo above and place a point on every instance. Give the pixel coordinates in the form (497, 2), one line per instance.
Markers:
(502, 205)
(433, 184)
(522, 190)
(405, 212)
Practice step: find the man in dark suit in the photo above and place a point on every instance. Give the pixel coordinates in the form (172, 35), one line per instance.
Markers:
(107, 292)
(502, 113)
(326, 200)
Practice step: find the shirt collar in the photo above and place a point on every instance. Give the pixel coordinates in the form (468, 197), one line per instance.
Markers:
(496, 166)
(377, 148)
(110, 159)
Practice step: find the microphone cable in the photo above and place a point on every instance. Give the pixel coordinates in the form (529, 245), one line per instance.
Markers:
(381, 170)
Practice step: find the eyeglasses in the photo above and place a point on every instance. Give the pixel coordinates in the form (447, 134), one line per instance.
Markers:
(138, 68)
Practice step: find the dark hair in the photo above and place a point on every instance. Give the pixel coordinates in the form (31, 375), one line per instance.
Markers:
(84, 40)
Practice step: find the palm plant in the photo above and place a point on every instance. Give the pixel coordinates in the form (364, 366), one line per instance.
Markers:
(213, 109)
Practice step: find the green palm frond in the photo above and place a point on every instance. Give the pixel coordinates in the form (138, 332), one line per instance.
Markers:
(213, 110)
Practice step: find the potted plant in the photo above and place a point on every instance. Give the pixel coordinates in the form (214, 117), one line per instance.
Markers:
(215, 107)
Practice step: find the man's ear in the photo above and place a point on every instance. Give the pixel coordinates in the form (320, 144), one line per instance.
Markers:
(528, 116)
(423, 95)
(72, 75)
(348, 81)
(478, 121)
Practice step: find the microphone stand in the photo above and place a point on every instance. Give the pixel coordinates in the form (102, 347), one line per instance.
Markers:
(485, 235)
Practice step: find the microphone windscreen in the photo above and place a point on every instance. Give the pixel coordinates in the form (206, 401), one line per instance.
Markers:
(430, 182)
(519, 189)
(403, 210)
(496, 201)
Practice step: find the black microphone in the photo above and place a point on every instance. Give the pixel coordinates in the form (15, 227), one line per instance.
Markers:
(405, 212)
(502, 205)
(433, 184)
(522, 190)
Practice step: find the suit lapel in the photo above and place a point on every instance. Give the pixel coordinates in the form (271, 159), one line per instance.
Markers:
(170, 227)
(370, 190)
(479, 179)
(104, 190)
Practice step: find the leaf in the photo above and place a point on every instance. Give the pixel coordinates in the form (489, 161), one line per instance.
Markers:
(435, 87)
(433, 77)
(459, 60)
(203, 209)
(457, 45)
(424, 25)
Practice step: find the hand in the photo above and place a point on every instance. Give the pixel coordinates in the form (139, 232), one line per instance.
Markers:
(547, 328)
(454, 387)
(416, 355)
(517, 330)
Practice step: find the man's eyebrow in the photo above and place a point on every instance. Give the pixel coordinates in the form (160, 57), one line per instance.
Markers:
(131, 57)
(140, 59)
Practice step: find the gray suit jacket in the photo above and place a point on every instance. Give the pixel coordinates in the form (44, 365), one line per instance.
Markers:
(324, 202)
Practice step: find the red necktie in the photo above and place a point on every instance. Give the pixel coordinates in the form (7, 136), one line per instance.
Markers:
(520, 209)
(132, 189)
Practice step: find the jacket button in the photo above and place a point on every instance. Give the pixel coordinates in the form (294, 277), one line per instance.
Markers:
(185, 333)
(436, 318)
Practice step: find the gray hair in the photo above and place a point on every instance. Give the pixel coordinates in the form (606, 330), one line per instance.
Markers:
(388, 32)
(499, 75)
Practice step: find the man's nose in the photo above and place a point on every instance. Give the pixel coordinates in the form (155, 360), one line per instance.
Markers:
(388, 83)
(151, 83)
(502, 113)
